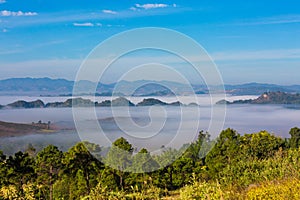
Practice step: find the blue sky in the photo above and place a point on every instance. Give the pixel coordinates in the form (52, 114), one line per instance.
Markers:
(250, 41)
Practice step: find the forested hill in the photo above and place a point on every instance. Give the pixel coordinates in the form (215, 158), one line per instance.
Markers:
(80, 102)
(269, 98)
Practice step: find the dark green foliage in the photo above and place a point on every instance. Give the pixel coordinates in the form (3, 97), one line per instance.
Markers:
(20, 170)
(260, 145)
(295, 137)
(224, 152)
(109, 178)
(119, 158)
(62, 188)
(165, 178)
(198, 149)
(231, 148)
(3, 169)
(82, 167)
(143, 162)
(182, 171)
(234, 161)
(48, 166)
(119, 155)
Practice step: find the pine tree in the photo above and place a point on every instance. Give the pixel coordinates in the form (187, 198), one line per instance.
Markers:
(48, 165)
(119, 158)
(295, 138)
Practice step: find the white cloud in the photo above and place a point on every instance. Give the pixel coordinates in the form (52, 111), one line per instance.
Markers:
(4, 30)
(115, 25)
(109, 12)
(7, 13)
(133, 8)
(151, 5)
(147, 6)
(287, 19)
(87, 24)
(2, 1)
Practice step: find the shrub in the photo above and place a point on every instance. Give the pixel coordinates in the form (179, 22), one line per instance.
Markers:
(283, 189)
(203, 190)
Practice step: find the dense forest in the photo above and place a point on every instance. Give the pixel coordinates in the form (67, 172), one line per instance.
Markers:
(250, 166)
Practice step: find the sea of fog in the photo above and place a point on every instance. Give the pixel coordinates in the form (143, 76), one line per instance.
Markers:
(150, 127)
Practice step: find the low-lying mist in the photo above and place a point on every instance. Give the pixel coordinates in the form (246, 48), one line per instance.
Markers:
(150, 127)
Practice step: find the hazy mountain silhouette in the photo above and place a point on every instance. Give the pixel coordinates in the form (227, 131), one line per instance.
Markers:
(47, 86)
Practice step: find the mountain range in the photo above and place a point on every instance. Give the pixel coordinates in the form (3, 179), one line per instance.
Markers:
(63, 87)
(80, 102)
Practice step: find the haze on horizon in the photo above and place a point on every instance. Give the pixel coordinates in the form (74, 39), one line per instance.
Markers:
(250, 42)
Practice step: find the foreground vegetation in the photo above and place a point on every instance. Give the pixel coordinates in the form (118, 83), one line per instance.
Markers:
(252, 166)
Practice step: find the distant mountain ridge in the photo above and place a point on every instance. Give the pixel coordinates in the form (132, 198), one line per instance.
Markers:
(63, 87)
(35, 85)
(259, 88)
